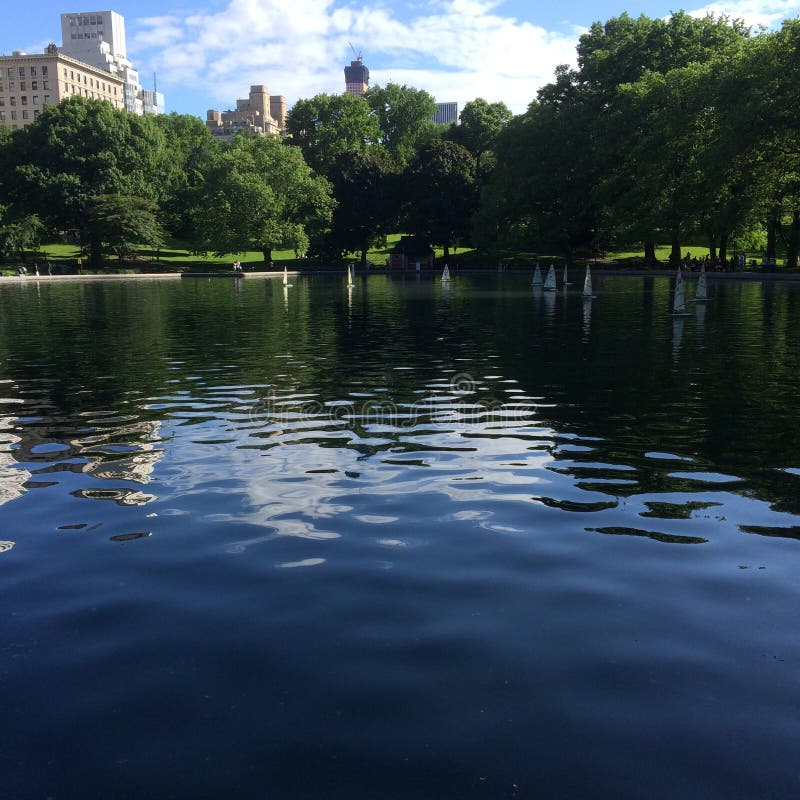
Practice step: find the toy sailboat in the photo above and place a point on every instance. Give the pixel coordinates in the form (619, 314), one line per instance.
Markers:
(702, 290)
(587, 284)
(678, 298)
(550, 280)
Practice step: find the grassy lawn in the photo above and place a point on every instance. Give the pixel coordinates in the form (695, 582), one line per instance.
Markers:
(175, 257)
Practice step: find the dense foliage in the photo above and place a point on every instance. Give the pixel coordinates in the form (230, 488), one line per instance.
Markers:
(667, 131)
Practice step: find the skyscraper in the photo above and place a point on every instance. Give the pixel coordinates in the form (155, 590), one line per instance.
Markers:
(98, 38)
(356, 77)
(446, 114)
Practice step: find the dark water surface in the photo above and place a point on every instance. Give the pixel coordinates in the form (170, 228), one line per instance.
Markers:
(410, 542)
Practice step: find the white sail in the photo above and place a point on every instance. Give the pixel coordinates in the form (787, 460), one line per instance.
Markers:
(702, 289)
(537, 276)
(565, 281)
(446, 274)
(349, 275)
(587, 283)
(679, 301)
(285, 277)
(550, 280)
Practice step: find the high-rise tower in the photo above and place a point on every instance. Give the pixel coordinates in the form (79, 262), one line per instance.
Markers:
(356, 77)
(98, 38)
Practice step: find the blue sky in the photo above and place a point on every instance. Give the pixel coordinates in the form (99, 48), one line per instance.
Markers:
(206, 53)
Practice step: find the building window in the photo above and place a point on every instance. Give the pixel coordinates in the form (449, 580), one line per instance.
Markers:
(33, 72)
(13, 115)
(22, 72)
(11, 86)
(23, 86)
(74, 35)
(13, 101)
(84, 80)
(24, 99)
(45, 84)
(65, 72)
(36, 113)
(1, 87)
(36, 99)
(46, 99)
(34, 85)
(71, 75)
(10, 72)
(2, 115)
(24, 115)
(44, 71)
(2, 101)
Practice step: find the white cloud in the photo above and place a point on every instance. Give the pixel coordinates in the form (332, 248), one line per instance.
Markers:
(755, 13)
(455, 49)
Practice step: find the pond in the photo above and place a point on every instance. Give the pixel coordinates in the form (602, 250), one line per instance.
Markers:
(403, 540)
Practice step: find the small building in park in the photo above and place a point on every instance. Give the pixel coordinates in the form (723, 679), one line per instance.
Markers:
(410, 251)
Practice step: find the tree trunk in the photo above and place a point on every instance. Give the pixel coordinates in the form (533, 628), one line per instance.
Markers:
(95, 253)
(649, 254)
(794, 240)
(446, 251)
(772, 235)
(723, 248)
(712, 249)
(267, 252)
(364, 257)
(675, 252)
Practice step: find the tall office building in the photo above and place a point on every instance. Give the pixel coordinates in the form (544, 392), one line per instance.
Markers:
(446, 114)
(98, 38)
(356, 77)
(29, 82)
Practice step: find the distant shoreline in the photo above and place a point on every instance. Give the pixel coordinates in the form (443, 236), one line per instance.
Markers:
(598, 270)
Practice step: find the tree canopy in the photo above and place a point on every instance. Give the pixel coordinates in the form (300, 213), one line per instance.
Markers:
(666, 130)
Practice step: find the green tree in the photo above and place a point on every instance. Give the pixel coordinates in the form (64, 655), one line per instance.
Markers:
(77, 150)
(18, 233)
(327, 125)
(121, 223)
(480, 124)
(756, 104)
(188, 147)
(259, 194)
(539, 194)
(364, 186)
(440, 194)
(404, 116)
(649, 144)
